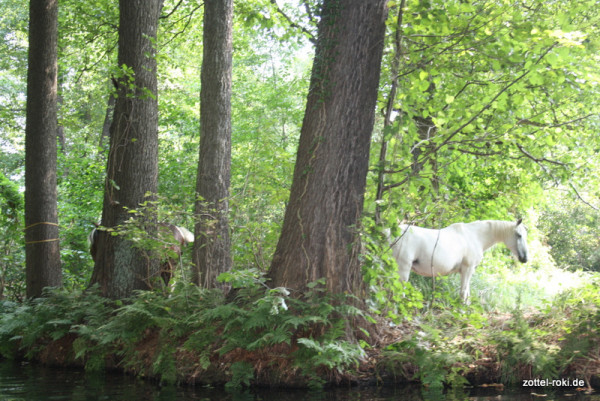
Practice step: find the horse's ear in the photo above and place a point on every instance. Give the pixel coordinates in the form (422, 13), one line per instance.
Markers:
(519, 221)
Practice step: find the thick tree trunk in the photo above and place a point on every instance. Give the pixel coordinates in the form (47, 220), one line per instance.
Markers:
(212, 254)
(319, 236)
(41, 216)
(132, 167)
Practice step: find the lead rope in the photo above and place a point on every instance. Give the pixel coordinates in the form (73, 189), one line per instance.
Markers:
(432, 275)
(42, 240)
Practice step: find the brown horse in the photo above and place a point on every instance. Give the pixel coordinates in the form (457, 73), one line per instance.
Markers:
(181, 236)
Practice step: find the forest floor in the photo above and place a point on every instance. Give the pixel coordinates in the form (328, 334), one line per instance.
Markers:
(265, 338)
(479, 356)
(404, 353)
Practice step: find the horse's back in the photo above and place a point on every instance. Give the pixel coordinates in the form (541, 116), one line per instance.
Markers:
(429, 251)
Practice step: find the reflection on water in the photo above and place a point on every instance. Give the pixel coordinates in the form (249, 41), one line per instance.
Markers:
(23, 381)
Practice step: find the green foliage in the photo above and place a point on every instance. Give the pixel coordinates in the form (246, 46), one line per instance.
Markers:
(148, 334)
(31, 325)
(11, 214)
(147, 229)
(476, 135)
(165, 365)
(80, 186)
(544, 338)
(316, 323)
(438, 352)
(390, 297)
(309, 333)
(511, 92)
(582, 325)
(242, 373)
(521, 346)
(11, 201)
(572, 234)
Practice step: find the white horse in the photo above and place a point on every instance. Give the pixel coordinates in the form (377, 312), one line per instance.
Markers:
(457, 248)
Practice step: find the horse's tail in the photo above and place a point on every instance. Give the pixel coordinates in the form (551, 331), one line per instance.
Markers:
(93, 239)
(187, 235)
(393, 240)
(388, 233)
(92, 236)
(403, 229)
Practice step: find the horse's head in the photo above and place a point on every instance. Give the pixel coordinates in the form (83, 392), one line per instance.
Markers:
(517, 242)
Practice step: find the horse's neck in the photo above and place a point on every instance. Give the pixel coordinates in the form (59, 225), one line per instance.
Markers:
(491, 232)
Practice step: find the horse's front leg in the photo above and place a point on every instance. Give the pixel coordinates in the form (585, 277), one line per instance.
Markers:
(404, 265)
(404, 271)
(465, 283)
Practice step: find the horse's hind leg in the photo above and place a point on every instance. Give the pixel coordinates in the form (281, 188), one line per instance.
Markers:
(166, 271)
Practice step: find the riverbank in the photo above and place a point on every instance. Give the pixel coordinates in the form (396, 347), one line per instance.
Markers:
(391, 362)
(266, 338)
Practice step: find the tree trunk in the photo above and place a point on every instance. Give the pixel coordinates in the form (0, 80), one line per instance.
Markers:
(42, 250)
(319, 235)
(389, 108)
(132, 167)
(212, 254)
(108, 118)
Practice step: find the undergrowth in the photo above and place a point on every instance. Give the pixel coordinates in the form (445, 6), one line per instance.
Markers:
(263, 335)
(525, 348)
(448, 343)
(256, 331)
(524, 321)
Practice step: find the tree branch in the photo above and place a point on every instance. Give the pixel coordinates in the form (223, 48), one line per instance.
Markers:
(172, 11)
(311, 37)
(489, 104)
(538, 160)
(526, 121)
(311, 15)
(581, 198)
(389, 109)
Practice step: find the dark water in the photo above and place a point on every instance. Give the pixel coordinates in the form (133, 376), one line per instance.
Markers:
(20, 381)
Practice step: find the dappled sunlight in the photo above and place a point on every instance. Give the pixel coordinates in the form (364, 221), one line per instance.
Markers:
(501, 284)
(520, 286)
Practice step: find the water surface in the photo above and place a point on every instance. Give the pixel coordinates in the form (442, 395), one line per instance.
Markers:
(31, 382)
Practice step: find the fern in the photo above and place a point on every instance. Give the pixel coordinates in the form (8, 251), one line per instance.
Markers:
(521, 345)
(242, 374)
(329, 354)
(36, 322)
(164, 364)
(193, 320)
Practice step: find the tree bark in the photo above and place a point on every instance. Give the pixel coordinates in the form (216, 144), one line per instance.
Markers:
(132, 166)
(212, 254)
(319, 235)
(42, 252)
